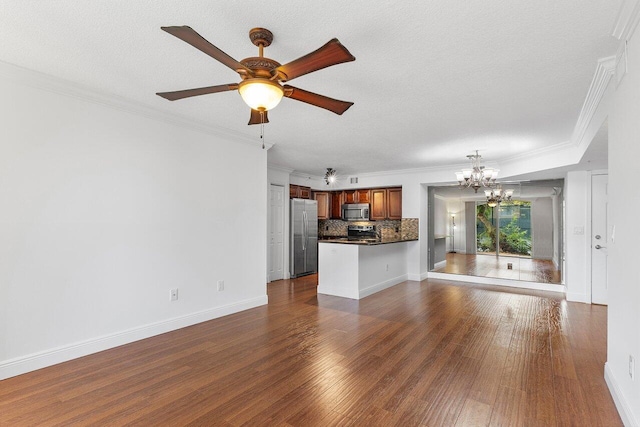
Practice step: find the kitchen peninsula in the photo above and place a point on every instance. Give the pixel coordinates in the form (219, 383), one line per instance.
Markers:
(359, 268)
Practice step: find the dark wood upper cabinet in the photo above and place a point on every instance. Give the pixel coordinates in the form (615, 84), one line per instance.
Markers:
(322, 197)
(378, 208)
(356, 196)
(304, 192)
(300, 192)
(336, 205)
(394, 203)
(363, 196)
(385, 203)
(350, 196)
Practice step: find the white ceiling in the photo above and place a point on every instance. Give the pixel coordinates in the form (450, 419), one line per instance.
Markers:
(432, 81)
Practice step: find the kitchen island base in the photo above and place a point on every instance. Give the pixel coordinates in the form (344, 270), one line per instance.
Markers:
(357, 271)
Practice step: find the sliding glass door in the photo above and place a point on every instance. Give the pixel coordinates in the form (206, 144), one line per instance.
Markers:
(505, 229)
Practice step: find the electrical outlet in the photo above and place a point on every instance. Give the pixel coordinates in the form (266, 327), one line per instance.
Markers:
(220, 285)
(174, 294)
(632, 367)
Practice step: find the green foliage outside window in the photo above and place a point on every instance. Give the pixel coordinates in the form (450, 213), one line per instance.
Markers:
(513, 239)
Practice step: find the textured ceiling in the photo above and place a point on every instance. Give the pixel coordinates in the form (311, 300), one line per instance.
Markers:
(432, 81)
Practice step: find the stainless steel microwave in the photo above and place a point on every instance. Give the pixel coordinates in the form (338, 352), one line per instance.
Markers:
(355, 212)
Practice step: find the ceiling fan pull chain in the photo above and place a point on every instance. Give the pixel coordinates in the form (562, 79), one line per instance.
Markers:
(262, 127)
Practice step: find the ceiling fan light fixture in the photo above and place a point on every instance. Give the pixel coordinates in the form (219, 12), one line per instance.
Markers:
(260, 94)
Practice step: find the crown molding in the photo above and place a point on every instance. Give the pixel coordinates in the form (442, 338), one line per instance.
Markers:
(279, 168)
(46, 82)
(428, 169)
(627, 20)
(304, 175)
(549, 149)
(605, 69)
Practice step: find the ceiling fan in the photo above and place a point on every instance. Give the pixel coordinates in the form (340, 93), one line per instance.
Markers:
(261, 77)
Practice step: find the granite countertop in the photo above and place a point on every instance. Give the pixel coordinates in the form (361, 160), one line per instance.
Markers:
(365, 242)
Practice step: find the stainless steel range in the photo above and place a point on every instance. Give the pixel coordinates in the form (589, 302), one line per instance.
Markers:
(361, 232)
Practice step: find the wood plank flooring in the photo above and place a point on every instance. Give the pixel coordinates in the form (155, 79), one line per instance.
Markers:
(482, 265)
(434, 353)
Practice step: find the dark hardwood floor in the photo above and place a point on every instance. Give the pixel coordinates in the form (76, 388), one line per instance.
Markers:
(489, 265)
(434, 353)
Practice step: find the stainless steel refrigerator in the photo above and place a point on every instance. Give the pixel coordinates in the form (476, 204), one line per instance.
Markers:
(304, 237)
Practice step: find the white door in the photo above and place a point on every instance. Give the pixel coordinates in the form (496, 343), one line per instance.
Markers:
(276, 233)
(599, 239)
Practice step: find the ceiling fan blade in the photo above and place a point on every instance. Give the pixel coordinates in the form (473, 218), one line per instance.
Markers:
(189, 35)
(255, 117)
(332, 53)
(180, 94)
(321, 101)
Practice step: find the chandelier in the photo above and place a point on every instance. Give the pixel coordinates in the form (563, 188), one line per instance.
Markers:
(497, 195)
(330, 176)
(478, 176)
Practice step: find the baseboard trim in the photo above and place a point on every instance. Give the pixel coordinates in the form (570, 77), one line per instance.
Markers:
(21, 365)
(499, 282)
(575, 297)
(440, 264)
(623, 407)
(337, 292)
(418, 277)
(382, 285)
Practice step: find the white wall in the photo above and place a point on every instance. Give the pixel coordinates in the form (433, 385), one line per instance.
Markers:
(623, 271)
(577, 247)
(104, 211)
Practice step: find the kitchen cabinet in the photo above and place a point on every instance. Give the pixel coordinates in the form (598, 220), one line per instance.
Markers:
(356, 196)
(300, 192)
(336, 205)
(324, 203)
(378, 208)
(363, 196)
(349, 196)
(304, 192)
(394, 203)
(386, 203)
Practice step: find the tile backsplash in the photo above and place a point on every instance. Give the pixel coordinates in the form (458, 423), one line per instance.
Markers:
(406, 228)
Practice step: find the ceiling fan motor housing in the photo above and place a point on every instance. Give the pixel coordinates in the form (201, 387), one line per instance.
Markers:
(261, 66)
